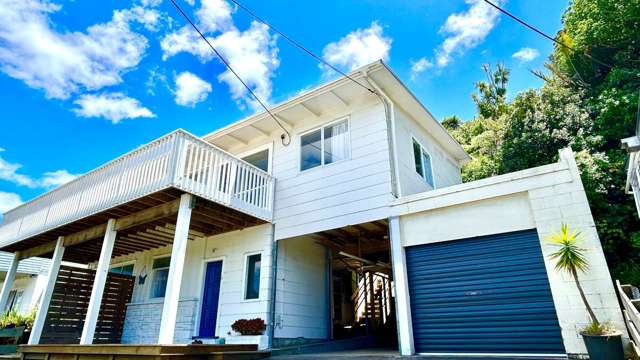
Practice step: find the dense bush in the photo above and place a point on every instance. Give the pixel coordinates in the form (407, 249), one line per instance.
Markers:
(249, 327)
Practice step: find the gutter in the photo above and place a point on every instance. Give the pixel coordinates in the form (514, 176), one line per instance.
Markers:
(390, 118)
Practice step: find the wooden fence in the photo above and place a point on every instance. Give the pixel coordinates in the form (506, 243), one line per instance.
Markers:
(631, 310)
(69, 303)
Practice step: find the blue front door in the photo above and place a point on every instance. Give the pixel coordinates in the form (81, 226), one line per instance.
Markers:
(210, 297)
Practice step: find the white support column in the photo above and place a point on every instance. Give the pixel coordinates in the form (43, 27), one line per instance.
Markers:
(401, 284)
(8, 281)
(99, 281)
(178, 255)
(43, 308)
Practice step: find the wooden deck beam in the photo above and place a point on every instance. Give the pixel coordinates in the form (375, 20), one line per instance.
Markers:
(141, 217)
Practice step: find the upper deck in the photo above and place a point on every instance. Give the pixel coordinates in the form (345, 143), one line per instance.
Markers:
(178, 160)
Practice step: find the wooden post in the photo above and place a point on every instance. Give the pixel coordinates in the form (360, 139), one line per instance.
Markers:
(99, 281)
(8, 281)
(401, 284)
(43, 308)
(176, 267)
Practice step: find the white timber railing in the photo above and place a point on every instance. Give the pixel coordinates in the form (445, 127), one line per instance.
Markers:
(179, 160)
(634, 183)
(631, 312)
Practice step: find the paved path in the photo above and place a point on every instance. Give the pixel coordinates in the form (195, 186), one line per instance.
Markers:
(375, 354)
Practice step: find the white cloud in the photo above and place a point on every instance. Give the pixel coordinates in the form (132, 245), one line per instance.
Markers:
(420, 66)
(64, 63)
(215, 15)
(526, 54)
(150, 18)
(56, 178)
(252, 53)
(358, 48)
(9, 201)
(112, 106)
(190, 89)
(10, 172)
(466, 30)
(187, 40)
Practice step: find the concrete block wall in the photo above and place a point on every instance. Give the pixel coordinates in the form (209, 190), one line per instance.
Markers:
(142, 323)
(567, 203)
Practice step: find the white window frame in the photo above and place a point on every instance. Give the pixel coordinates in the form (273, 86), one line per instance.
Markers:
(16, 291)
(255, 150)
(321, 128)
(246, 275)
(153, 274)
(423, 176)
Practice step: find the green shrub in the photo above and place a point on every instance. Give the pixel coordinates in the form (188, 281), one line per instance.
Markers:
(14, 319)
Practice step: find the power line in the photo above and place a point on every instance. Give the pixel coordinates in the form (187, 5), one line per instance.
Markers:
(226, 63)
(522, 22)
(300, 46)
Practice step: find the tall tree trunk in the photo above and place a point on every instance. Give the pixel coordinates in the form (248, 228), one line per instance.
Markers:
(584, 298)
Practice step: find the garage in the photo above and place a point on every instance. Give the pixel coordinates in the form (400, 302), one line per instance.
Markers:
(487, 294)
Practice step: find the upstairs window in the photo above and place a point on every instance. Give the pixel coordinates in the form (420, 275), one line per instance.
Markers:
(160, 276)
(259, 160)
(422, 160)
(324, 146)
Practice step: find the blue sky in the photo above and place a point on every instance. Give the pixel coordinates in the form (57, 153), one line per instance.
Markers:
(82, 82)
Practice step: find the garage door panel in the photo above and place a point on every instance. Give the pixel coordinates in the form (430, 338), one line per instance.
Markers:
(481, 283)
(444, 257)
(529, 321)
(487, 294)
(517, 293)
(444, 250)
(495, 266)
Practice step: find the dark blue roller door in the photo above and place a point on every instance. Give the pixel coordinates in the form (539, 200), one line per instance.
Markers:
(487, 294)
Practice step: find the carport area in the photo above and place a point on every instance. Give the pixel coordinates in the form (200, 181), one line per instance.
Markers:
(472, 270)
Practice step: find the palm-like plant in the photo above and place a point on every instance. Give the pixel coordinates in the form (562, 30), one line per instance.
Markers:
(570, 258)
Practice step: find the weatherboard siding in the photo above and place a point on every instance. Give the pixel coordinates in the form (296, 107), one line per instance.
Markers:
(301, 297)
(142, 322)
(354, 190)
(446, 172)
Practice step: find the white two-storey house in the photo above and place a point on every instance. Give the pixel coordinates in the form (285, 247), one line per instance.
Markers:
(345, 218)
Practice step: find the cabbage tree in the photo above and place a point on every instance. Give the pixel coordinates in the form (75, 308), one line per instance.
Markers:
(570, 258)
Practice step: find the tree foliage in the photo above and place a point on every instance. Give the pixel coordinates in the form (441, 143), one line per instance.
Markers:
(589, 102)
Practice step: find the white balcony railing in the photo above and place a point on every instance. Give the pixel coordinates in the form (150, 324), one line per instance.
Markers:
(634, 183)
(178, 159)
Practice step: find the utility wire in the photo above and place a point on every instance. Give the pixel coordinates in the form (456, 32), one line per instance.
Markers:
(522, 22)
(301, 47)
(226, 63)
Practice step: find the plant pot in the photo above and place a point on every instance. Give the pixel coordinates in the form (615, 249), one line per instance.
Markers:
(604, 347)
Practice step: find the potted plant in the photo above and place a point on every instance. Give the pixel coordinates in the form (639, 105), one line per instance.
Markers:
(251, 332)
(14, 330)
(602, 341)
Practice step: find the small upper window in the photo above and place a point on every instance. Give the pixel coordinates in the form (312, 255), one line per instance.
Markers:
(124, 270)
(259, 159)
(160, 276)
(252, 283)
(324, 146)
(422, 160)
